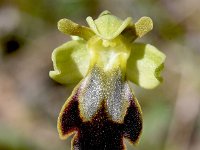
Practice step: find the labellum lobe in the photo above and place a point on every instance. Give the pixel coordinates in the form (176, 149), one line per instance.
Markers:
(101, 113)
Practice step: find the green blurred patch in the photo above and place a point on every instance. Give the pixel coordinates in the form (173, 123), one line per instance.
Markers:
(172, 31)
(11, 140)
(60, 8)
(156, 120)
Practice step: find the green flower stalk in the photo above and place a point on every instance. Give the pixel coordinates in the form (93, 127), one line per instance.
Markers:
(102, 109)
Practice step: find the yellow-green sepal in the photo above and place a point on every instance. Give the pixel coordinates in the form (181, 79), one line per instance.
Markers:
(70, 62)
(144, 65)
(108, 26)
(71, 28)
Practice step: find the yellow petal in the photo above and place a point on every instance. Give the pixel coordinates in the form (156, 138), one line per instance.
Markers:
(145, 65)
(71, 62)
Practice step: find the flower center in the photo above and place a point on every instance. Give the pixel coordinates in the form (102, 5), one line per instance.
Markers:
(109, 54)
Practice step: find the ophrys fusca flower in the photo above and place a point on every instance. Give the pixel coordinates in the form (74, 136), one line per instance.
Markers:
(102, 109)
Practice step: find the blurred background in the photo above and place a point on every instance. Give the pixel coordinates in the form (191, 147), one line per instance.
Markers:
(30, 101)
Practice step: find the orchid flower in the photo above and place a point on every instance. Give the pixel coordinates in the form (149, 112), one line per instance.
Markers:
(102, 110)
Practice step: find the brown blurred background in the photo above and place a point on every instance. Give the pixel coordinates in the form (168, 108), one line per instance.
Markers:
(30, 101)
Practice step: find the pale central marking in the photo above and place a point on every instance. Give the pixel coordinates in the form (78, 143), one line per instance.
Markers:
(105, 86)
